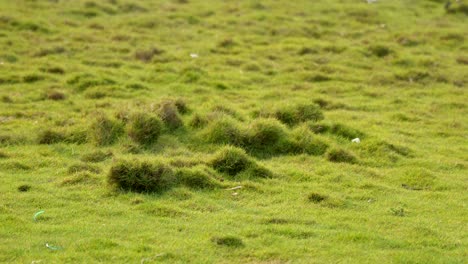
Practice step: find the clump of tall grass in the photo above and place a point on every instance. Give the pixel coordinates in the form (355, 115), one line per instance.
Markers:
(141, 176)
(105, 130)
(144, 128)
(233, 161)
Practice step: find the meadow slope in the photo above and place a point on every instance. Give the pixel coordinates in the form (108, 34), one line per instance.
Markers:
(186, 131)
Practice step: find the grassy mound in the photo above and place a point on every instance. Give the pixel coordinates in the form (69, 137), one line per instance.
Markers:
(144, 129)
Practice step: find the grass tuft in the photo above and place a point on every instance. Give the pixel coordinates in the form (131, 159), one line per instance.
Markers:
(264, 134)
(106, 131)
(294, 114)
(169, 114)
(144, 129)
(141, 176)
(341, 155)
(231, 160)
(199, 177)
(224, 130)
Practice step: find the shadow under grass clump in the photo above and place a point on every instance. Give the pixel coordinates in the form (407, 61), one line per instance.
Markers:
(380, 51)
(337, 129)
(144, 129)
(169, 114)
(316, 197)
(50, 137)
(106, 131)
(199, 177)
(228, 241)
(147, 55)
(294, 114)
(96, 156)
(224, 130)
(341, 156)
(55, 96)
(141, 176)
(24, 188)
(235, 162)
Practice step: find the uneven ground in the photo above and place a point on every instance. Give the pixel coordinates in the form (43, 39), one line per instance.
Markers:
(97, 95)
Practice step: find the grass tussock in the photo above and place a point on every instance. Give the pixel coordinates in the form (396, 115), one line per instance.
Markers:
(144, 128)
(302, 141)
(341, 156)
(169, 114)
(295, 114)
(141, 176)
(235, 162)
(264, 134)
(105, 130)
(224, 130)
(199, 177)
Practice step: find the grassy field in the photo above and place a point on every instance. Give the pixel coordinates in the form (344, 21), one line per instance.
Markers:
(186, 131)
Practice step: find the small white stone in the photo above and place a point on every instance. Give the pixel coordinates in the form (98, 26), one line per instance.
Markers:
(356, 140)
(194, 55)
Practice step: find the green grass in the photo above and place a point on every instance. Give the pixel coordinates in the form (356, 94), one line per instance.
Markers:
(187, 131)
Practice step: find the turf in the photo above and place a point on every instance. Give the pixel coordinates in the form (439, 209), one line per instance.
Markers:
(250, 108)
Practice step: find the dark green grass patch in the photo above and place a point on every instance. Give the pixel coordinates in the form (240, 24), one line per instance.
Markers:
(316, 197)
(228, 241)
(141, 176)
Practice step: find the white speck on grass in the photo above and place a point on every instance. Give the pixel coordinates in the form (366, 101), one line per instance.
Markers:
(194, 55)
(356, 140)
